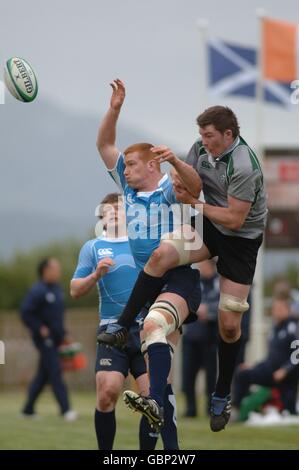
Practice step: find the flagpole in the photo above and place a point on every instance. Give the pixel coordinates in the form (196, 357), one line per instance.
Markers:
(257, 315)
(202, 26)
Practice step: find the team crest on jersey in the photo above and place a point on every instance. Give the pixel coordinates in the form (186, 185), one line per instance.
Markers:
(222, 178)
(206, 165)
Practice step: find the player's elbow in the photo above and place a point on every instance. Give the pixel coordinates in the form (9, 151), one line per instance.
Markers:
(74, 291)
(100, 145)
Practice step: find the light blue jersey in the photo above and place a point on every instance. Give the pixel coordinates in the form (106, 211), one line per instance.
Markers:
(149, 214)
(116, 286)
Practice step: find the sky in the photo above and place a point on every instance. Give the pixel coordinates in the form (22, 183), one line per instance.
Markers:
(77, 47)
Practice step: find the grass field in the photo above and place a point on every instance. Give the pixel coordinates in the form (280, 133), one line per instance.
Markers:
(50, 432)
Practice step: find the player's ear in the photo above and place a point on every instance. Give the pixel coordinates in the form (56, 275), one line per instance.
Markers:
(228, 133)
(151, 165)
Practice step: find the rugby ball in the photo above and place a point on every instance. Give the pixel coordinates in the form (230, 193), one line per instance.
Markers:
(20, 79)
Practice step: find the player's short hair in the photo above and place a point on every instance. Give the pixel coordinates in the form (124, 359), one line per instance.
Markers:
(42, 265)
(221, 117)
(111, 198)
(144, 151)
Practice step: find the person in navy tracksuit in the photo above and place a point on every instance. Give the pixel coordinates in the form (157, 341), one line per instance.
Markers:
(42, 312)
(280, 369)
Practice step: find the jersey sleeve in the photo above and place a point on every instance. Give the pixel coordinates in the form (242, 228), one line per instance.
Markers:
(169, 194)
(117, 173)
(193, 155)
(86, 262)
(245, 177)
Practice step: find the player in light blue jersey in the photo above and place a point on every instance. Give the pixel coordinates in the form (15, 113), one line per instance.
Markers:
(107, 262)
(150, 208)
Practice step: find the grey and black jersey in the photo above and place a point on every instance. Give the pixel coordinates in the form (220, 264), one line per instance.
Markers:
(235, 173)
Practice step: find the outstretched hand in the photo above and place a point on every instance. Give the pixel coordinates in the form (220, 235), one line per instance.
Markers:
(164, 154)
(118, 94)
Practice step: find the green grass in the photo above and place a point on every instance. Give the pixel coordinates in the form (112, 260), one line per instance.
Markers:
(51, 432)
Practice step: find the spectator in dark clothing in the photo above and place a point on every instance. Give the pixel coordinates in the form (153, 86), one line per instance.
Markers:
(279, 369)
(200, 340)
(42, 312)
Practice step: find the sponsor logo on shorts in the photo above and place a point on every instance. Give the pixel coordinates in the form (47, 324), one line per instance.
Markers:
(106, 362)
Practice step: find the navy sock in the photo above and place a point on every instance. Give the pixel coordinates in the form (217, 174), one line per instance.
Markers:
(227, 357)
(169, 432)
(147, 439)
(159, 360)
(146, 289)
(105, 426)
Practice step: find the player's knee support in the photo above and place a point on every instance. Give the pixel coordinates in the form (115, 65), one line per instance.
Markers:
(230, 303)
(176, 240)
(163, 327)
(172, 348)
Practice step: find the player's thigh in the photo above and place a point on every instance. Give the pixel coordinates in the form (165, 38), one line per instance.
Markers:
(109, 383)
(188, 245)
(182, 246)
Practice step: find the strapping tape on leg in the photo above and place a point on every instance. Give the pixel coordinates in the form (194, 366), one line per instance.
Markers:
(164, 328)
(177, 241)
(167, 307)
(230, 303)
(172, 348)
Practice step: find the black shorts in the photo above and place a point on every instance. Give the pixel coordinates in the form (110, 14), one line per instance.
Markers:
(122, 360)
(236, 255)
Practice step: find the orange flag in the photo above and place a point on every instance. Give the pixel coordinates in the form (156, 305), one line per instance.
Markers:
(280, 50)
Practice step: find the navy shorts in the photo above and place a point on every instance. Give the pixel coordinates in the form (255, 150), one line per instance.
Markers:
(129, 359)
(185, 282)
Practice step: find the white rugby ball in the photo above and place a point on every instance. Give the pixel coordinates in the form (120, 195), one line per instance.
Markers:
(20, 79)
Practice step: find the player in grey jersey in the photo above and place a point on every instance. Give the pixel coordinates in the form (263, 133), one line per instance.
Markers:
(234, 218)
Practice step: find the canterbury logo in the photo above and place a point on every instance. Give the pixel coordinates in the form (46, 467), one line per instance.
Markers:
(106, 362)
(105, 252)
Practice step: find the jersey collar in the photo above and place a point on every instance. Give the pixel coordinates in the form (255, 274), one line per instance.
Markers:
(229, 149)
(159, 187)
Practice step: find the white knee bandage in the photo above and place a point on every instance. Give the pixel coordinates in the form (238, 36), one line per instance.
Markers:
(159, 334)
(178, 242)
(230, 303)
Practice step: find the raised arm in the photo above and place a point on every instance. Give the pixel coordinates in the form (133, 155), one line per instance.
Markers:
(188, 175)
(107, 132)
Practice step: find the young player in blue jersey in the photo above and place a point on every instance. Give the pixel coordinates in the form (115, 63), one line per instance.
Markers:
(107, 262)
(149, 200)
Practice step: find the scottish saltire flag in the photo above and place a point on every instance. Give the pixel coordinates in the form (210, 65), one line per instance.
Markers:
(233, 71)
